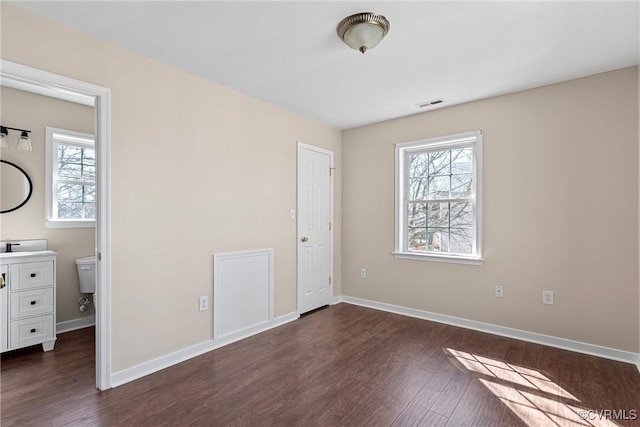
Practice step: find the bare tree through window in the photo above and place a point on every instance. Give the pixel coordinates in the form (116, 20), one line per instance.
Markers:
(71, 182)
(438, 198)
(440, 213)
(76, 182)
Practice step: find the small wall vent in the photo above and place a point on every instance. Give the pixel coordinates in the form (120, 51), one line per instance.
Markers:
(429, 103)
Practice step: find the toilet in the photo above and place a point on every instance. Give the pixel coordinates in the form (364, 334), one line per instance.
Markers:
(87, 274)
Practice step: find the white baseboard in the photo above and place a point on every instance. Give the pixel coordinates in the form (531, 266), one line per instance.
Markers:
(246, 333)
(155, 365)
(72, 325)
(579, 347)
(146, 368)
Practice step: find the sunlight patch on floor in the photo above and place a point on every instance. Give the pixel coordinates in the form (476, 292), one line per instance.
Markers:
(529, 394)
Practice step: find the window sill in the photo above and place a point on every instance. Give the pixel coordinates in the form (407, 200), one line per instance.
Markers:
(70, 224)
(439, 258)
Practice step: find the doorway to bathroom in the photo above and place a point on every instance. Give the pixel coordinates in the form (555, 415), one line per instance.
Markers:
(33, 81)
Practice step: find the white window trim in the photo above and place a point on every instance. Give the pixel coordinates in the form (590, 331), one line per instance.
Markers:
(401, 170)
(77, 138)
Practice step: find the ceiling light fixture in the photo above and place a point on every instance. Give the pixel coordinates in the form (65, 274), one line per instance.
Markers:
(363, 31)
(24, 142)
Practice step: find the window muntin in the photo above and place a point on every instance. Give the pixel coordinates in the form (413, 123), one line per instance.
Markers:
(438, 207)
(71, 174)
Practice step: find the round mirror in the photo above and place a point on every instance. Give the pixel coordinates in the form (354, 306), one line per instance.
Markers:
(15, 187)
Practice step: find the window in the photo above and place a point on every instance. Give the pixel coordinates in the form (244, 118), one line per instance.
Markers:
(438, 203)
(71, 179)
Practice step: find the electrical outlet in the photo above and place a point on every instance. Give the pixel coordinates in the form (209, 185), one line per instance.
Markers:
(204, 303)
(547, 297)
(363, 273)
(499, 291)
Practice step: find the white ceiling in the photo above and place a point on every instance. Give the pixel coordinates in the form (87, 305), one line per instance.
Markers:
(287, 53)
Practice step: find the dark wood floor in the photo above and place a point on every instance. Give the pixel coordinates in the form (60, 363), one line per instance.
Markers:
(341, 365)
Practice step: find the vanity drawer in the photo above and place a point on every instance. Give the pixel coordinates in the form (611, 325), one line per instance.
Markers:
(31, 303)
(34, 330)
(28, 275)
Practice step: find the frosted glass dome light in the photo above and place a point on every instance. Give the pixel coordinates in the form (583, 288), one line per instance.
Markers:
(363, 31)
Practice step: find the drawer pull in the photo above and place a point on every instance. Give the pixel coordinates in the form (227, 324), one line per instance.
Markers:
(33, 303)
(33, 274)
(33, 331)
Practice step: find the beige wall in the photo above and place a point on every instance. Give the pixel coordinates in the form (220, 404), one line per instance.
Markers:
(196, 169)
(199, 169)
(35, 112)
(560, 212)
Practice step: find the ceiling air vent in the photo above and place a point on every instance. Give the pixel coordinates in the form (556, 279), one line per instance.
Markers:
(429, 103)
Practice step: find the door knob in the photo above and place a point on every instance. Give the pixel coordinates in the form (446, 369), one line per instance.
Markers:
(304, 239)
(2, 282)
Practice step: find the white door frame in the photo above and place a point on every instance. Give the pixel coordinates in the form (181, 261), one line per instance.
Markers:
(331, 166)
(54, 85)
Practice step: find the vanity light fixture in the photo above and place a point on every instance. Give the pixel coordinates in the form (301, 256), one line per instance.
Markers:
(363, 31)
(24, 141)
(4, 137)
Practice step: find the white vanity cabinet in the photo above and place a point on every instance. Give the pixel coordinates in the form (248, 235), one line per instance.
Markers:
(28, 300)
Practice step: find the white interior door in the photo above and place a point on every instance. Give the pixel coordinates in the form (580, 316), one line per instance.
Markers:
(315, 252)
